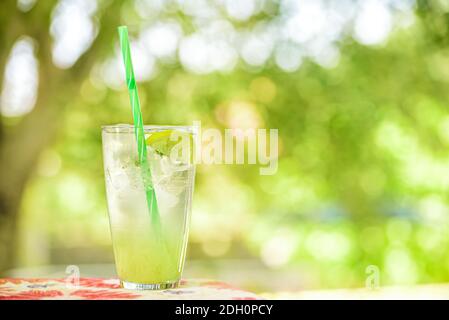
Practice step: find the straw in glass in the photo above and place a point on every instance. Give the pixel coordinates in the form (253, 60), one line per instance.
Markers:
(138, 126)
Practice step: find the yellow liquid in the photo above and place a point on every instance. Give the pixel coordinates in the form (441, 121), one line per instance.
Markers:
(146, 258)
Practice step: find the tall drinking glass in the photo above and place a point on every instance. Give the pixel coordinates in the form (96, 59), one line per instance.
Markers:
(149, 253)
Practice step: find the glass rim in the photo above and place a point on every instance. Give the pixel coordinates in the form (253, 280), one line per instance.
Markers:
(129, 128)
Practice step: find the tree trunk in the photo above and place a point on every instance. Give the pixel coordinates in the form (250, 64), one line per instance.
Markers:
(21, 145)
(19, 153)
(7, 233)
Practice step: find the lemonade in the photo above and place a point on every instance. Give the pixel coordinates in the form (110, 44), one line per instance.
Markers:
(149, 253)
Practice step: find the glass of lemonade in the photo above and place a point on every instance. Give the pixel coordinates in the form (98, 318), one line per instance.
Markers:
(149, 253)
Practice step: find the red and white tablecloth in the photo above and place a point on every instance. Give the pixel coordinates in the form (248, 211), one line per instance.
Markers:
(105, 289)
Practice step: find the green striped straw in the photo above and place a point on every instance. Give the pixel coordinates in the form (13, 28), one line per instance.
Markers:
(138, 126)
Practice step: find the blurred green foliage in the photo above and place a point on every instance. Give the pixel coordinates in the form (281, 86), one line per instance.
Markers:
(363, 166)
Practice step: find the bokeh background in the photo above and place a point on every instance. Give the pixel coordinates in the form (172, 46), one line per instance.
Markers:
(358, 91)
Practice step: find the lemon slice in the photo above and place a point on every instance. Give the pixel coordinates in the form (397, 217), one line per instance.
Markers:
(161, 142)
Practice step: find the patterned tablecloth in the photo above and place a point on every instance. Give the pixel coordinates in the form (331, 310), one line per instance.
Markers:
(105, 289)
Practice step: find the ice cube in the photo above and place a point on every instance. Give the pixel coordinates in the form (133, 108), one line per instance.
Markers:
(165, 199)
(168, 176)
(118, 179)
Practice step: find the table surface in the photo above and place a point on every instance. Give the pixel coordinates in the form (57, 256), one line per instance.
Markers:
(437, 291)
(194, 289)
(105, 289)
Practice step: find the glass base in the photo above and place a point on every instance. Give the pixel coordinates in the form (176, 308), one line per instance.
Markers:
(152, 286)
